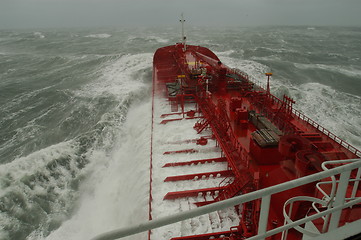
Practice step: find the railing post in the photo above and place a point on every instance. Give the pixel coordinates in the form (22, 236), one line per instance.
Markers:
(263, 216)
(356, 183)
(339, 199)
(265, 194)
(285, 233)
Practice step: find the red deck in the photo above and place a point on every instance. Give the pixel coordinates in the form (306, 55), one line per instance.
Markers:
(264, 140)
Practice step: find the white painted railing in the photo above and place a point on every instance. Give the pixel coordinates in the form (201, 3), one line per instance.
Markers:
(334, 196)
(265, 195)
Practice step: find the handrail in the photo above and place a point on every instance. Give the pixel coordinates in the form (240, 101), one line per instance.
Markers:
(262, 193)
(305, 220)
(327, 200)
(327, 132)
(308, 120)
(288, 218)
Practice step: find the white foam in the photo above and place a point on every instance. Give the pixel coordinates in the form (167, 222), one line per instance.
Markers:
(157, 39)
(256, 71)
(107, 191)
(35, 162)
(164, 137)
(39, 35)
(150, 38)
(40, 175)
(335, 110)
(99, 35)
(116, 193)
(348, 71)
(226, 53)
(118, 79)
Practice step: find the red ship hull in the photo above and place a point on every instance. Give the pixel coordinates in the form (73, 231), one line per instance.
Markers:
(262, 140)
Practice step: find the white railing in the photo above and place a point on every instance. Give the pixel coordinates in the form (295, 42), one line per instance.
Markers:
(264, 194)
(334, 195)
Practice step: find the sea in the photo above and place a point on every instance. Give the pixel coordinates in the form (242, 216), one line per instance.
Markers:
(75, 113)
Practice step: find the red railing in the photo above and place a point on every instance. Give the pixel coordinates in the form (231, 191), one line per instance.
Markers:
(306, 119)
(329, 134)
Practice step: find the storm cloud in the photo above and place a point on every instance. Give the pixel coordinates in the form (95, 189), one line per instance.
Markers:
(96, 13)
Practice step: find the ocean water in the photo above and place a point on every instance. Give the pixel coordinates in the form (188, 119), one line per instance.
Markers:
(75, 113)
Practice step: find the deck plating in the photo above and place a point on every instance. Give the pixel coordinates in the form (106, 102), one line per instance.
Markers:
(263, 139)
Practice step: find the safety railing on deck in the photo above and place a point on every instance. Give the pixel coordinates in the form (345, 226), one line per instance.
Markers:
(327, 132)
(308, 120)
(265, 195)
(332, 193)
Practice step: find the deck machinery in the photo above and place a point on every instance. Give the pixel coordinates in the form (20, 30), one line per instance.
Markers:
(263, 140)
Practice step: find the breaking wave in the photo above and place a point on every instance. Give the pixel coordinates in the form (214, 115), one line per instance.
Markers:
(351, 72)
(43, 189)
(39, 35)
(99, 35)
(75, 114)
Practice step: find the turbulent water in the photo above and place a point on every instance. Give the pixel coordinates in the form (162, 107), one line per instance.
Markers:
(75, 113)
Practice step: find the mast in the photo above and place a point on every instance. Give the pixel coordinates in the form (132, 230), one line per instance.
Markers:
(269, 74)
(184, 38)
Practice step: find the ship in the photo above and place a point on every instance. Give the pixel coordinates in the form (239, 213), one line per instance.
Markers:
(230, 160)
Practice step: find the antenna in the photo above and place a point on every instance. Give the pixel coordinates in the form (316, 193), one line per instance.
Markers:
(184, 38)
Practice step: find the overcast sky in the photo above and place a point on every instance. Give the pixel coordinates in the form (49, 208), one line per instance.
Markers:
(96, 13)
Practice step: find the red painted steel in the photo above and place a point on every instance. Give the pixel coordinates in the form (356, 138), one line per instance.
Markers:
(196, 162)
(200, 141)
(181, 151)
(192, 193)
(188, 113)
(199, 176)
(165, 121)
(264, 140)
(214, 236)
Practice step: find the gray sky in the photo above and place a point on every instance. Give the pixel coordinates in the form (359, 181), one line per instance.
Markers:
(95, 13)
